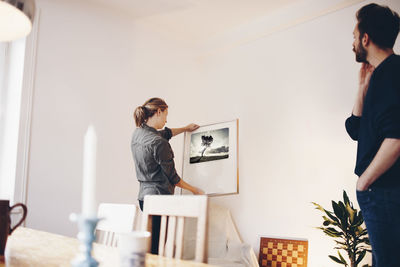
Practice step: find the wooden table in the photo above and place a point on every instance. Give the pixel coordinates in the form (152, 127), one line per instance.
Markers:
(28, 247)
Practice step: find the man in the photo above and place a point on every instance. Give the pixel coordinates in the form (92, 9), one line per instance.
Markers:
(375, 124)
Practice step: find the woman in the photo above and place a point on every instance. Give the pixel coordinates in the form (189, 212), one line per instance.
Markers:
(154, 158)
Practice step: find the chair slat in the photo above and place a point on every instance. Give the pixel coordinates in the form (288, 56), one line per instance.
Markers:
(179, 237)
(201, 252)
(114, 240)
(169, 247)
(163, 227)
(106, 238)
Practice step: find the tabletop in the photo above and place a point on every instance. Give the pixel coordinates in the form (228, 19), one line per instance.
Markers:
(28, 247)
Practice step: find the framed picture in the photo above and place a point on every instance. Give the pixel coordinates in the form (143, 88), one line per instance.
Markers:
(210, 158)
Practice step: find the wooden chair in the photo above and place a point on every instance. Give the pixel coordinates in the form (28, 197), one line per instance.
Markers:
(117, 218)
(176, 208)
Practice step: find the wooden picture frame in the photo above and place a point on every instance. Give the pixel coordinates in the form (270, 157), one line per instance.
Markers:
(210, 158)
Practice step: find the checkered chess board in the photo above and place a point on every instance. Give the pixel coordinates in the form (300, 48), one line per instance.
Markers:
(275, 252)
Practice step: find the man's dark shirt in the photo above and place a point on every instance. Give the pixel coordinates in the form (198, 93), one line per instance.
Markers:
(154, 161)
(380, 119)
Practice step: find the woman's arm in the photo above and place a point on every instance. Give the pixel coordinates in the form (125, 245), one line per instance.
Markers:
(196, 191)
(189, 128)
(164, 157)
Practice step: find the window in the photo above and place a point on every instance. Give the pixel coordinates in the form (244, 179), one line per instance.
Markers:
(12, 57)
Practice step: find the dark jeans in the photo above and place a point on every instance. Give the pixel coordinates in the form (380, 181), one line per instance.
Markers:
(155, 231)
(381, 212)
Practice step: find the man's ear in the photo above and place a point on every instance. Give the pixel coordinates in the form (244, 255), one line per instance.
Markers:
(365, 41)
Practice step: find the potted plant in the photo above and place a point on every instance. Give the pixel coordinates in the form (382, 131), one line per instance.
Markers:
(345, 225)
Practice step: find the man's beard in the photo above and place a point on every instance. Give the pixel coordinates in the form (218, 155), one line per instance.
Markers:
(361, 53)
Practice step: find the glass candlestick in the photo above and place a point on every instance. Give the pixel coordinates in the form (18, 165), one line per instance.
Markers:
(86, 236)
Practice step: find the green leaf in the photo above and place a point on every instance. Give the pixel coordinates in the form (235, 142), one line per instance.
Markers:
(325, 218)
(340, 213)
(342, 247)
(326, 223)
(336, 209)
(365, 240)
(319, 207)
(351, 212)
(362, 231)
(335, 259)
(329, 220)
(346, 198)
(358, 222)
(333, 230)
(344, 214)
(362, 255)
(341, 257)
(331, 234)
(333, 218)
(340, 243)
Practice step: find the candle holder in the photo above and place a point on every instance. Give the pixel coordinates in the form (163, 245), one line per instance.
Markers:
(86, 236)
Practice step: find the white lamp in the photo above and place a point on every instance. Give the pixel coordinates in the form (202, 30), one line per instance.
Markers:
(16, 17)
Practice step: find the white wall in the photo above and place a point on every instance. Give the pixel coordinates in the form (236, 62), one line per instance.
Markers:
(93, 66)
(291, 91)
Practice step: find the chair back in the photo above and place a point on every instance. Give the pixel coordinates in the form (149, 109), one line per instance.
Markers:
(116, 218)
(176, 208)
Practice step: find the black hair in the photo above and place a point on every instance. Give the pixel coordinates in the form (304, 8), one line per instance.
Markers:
(380, 23)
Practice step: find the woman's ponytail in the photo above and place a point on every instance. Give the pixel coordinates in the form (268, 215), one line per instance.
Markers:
(149, 108)
(140, 116)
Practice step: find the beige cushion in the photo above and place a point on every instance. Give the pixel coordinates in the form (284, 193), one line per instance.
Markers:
(219, 232)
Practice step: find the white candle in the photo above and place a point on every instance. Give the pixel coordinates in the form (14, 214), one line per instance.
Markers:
(89, 173)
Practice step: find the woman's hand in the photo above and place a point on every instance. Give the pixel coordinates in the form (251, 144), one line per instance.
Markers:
(198, 191)
(191, 127)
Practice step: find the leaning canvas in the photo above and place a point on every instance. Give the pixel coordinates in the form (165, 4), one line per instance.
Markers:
(210, 158)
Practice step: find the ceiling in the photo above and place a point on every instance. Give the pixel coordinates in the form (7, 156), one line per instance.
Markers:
(195, 20)
(209, 26)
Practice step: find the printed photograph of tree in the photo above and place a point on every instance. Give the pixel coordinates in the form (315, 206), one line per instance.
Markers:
(208, 146)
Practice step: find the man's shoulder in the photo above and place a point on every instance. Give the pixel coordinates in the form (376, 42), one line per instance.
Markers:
(390, 73)
(396, 57)
(393, 63)
(396, 60)
(395, 72)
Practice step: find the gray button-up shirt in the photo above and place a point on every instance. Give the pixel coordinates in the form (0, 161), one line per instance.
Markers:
(154, 161)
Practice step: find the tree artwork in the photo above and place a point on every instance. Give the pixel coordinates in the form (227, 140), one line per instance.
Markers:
(209, 146)
(206, 141)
